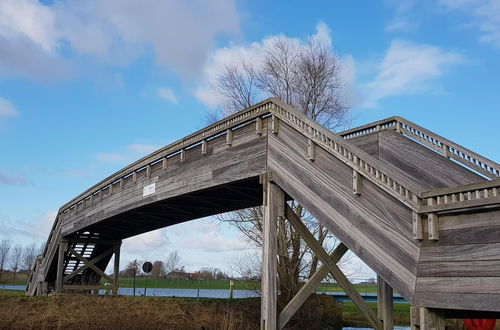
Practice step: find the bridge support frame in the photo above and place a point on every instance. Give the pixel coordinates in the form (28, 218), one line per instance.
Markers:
(332, 267)
(385, 303)
(274, 207)
(64, 247)
(423, 318)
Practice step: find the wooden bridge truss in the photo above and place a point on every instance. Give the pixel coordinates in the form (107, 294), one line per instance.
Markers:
(421, 211)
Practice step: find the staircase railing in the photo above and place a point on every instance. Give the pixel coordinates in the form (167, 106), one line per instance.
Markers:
(447, 148)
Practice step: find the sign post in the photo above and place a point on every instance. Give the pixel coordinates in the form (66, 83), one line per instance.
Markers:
(147, 267)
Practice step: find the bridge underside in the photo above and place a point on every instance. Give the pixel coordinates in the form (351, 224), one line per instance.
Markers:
(421, 211)
(211, 201)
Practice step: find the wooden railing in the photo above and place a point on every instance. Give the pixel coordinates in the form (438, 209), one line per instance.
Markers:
(447, 148)
(466, 196)
(361, 162)
(220, 128)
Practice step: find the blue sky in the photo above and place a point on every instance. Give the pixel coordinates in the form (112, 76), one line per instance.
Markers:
(86, 87)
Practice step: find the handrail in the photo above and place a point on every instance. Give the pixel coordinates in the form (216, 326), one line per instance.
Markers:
(360, 161)
(453, 198)
(447, 148)
(221, 126)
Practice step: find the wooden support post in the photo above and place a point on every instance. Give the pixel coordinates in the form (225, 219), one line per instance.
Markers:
(89, 264)
(63, 245)
(431, 320)
(148, 171)
(273, 208)
(274, 124)
(258, 125)
(134, 177)
(309, 287)
(311, 150)
(433, 222)
(229, 137)
(116, 266)
(333, 268)
(417, 226)
(414, 318)
(164, 163)
(204, 147)
(183, 155)
(356, 183)
(380, 298)
(385, 303)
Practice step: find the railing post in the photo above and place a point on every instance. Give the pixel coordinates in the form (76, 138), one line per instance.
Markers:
(116, 268)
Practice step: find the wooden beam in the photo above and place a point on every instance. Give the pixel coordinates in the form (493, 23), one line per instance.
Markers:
(418, 232)
(204, 147)
(90, 264)
(116, 267)
(229, 137)
(385, 303)
(356, 182)
(274, 208)
(63, 245)
(309, 287)
(311, 150)
(333, 268)
(274, 124)
(183, 155)
(258, 125)
(433, 222)
(431, 319)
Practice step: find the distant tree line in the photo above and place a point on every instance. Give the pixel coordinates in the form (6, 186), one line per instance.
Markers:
(16, 258)
(171, 268)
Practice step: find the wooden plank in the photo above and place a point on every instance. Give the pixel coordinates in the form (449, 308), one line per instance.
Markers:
(63, 245)
(465, 252)
(333, 268)
(467, 187)
(431, 320)
(438, 171)
(459, 284)
(476, 301)
(273, 209)
(116, 267)
(488, 218)
(387, 306)
(309, 287)
(367, 143)
(356, 183)
(468, 268)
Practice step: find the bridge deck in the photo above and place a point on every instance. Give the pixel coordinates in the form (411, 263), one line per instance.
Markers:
(420, 210)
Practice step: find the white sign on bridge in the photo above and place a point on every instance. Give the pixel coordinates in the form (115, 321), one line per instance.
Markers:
(149, 190)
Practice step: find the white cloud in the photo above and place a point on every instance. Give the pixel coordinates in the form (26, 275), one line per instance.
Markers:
(403, 20)
(250, 53)
(42, 226)
(127, 153)
(408, 68)
(167, 94)
(179, 33)
(7, 109)
(484, 16)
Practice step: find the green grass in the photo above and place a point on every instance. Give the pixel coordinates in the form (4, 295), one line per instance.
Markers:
(362, 288)
(8, 279)
(17, 293)
(352, 316)
(188, 284)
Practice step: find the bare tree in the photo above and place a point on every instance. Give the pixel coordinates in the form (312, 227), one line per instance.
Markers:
(306, 76)
(29, 257)
(173, 261)
(4, 255)
(158, 269)
(16, 258)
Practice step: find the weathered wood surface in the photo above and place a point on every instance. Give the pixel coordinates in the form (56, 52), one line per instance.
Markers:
(374, 225)
(422, 164)
(274, 207)
(245, 158)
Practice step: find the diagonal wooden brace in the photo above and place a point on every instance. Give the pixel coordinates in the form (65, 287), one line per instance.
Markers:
(89, 264)
(333, 268)
(309, 287)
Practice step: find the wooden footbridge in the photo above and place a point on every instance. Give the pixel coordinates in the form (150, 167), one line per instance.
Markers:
(421, 211)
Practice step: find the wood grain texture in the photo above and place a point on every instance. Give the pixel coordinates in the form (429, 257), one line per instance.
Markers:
(368, 143)
(374, 225)
(410, 157)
